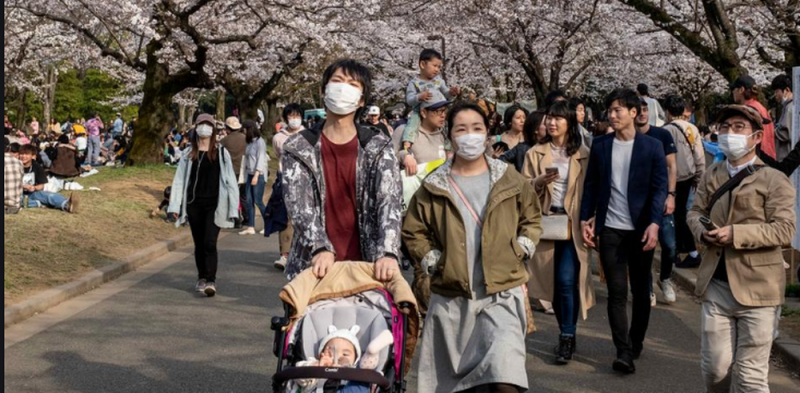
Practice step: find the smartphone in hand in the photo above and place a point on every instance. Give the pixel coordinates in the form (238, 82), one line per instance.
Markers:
(707, 224)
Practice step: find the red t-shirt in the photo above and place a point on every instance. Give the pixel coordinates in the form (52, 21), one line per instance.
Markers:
(768, 142)
(341, 220)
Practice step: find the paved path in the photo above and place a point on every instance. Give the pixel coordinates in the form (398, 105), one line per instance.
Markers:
(149, 332)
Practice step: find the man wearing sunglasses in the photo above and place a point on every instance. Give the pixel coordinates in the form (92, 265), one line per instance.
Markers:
(743, 213)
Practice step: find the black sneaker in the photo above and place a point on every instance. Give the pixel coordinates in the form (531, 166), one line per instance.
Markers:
(689, 262)
(565, 349)
(624, 364)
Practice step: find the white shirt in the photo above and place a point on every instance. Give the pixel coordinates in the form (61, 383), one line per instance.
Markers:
(619, 214)
(81, 143)
(560, 161)
(734, 170)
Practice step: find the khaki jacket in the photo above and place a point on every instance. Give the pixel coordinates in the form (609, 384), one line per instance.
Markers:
(433, 222)
(542, 266)
(763, 220)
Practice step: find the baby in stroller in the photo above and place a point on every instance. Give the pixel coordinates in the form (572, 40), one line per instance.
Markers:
(341, 348)
(345, 327)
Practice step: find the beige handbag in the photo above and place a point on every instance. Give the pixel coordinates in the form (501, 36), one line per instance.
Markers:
(556, 227)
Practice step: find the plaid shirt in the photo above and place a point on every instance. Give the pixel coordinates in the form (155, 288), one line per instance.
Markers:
(13, 181)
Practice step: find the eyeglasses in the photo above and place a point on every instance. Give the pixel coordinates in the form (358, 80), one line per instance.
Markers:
(439, 112)
(737, 127)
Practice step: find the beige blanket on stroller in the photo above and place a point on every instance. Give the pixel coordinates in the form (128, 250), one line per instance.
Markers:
(346, 279)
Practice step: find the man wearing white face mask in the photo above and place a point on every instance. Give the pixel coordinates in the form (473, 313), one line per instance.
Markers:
(743, 213)
(342, 184)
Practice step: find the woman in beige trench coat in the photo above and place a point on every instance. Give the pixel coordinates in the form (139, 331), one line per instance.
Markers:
(560, 270)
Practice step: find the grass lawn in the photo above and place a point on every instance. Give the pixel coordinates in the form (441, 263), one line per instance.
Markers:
(44, 248)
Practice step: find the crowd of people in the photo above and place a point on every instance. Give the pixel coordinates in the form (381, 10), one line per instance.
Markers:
(39, 159)
(497, 216)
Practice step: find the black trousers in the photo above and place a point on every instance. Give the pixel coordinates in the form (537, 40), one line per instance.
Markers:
(623, 258)
(205, 235)
(683, 235)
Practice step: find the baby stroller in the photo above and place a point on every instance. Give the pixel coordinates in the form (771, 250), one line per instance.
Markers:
(347, 296)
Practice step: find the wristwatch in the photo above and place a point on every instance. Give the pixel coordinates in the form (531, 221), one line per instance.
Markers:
(673, 193)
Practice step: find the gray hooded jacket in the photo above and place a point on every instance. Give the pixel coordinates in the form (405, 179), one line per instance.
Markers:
(378, 194)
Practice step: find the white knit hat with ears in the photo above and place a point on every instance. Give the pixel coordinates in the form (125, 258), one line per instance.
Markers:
(349, 335)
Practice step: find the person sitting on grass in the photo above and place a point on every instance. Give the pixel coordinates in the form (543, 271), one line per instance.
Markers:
(33, 182)
(66, 162)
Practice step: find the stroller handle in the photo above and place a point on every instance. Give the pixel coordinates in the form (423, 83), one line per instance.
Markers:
(338, 374)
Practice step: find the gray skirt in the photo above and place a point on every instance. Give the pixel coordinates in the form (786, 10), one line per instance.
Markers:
(472, 342)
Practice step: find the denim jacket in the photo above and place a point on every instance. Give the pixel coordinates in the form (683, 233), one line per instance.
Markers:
(228, 204)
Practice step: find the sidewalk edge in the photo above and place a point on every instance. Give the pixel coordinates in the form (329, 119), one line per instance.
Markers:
(50, 298)
(787, 348)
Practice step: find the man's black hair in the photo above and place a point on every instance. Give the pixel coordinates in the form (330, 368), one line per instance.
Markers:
(291, 109)
(63, 139)
(511, 112)
(781, 82)
(675, 105)
(355, 70)
(430, 54)
(643, 89)
(14, 147)
(626, 98)
(553, 97)
(454, 111)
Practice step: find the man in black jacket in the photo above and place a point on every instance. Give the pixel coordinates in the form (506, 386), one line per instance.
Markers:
(788, 165)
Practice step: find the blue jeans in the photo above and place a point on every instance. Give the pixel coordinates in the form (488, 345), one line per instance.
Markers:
(93, 150)
(255, 197)
(46, 199)
(566, 299)
(669, 246)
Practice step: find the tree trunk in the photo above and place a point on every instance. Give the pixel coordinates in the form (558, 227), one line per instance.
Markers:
(221, 105)
(155, 116)
(48, 103)
(181, 117)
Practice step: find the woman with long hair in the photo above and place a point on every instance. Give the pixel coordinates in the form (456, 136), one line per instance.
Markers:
(560, 270)
(206, 194)
(534, 130)
(514, 122)
(256, 160)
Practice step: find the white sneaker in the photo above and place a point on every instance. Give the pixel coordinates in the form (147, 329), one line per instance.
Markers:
(261, 232)
(668, 288)
(247, 232)
(211, 289)
(653, 300)
(201, 286)
(280, 264)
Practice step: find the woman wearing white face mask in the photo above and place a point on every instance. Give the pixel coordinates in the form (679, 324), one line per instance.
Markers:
(471, 226)
(293, 117)
(205, 193)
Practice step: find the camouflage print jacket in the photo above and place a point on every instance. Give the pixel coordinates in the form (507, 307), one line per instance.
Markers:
(378, 195)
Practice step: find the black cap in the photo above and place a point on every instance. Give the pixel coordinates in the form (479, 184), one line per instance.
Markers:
(745, 81)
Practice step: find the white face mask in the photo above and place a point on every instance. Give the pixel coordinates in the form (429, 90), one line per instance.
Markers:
(295, 123)
(342, 98)
(735, 146)
(204, 131)
(471, 146)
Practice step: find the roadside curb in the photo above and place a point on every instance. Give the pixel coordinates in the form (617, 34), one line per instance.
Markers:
(52, 297)
(787, 348)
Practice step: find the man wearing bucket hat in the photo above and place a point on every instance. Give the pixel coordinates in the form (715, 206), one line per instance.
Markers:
(374, 120)
(236, 143)
(743, 213)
